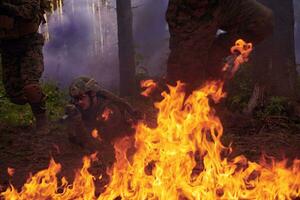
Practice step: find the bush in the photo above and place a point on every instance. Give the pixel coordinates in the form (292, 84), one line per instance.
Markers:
(239, 89)
(276, 106)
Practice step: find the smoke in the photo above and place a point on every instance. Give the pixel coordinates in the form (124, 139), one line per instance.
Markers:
(83, 41)
(151, 35)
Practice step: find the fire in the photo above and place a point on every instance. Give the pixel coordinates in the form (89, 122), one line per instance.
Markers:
(106, 114)
(96, 134)
(45, 185)
(182, 158)
(240, 54)
(149, 86)
(10, 171)
(163, 165)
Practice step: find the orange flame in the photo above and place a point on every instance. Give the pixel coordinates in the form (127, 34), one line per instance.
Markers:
(241, 51)
(44, 185)
(106, 114)
(96, 134)
(10, 171)
(164, 162)
(182, 158)
(149, 86)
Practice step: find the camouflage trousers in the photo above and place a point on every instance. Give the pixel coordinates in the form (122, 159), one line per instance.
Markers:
(22, 64)
(197, 52)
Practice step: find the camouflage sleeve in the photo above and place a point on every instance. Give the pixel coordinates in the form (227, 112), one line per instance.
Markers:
(77, 129)
(26, 9)
(114, 119)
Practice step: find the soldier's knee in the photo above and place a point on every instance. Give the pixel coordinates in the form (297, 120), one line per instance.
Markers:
(33, 93)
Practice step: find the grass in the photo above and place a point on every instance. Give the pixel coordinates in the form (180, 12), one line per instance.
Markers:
(18, 115)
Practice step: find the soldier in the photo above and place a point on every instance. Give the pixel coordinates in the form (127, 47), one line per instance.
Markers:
(22, 58)
(95, 109)
(197, 51)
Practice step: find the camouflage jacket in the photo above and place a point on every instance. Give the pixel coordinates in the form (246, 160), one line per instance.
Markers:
(19, 18)
(110, 119)
(184, 16)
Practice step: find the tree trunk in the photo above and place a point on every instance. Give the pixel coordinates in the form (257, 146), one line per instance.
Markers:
(126, 48)
(297, 31)
(283, 68)
(274, 64)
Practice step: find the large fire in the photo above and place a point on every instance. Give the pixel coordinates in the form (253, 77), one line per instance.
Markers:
(182, 158)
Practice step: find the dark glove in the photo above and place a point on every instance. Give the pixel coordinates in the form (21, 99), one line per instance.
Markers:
(73, 113)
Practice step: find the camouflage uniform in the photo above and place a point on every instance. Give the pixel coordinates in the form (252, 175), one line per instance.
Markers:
(117, 123)
(196, 51)
(21, 51)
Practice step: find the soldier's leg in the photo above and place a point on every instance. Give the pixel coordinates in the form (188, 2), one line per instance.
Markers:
(247, 19)
(11, 78)
(32, 67)
(190, 38)
(188, 61)
(186, 66)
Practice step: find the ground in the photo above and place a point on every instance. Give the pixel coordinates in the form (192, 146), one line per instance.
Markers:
(22, 150)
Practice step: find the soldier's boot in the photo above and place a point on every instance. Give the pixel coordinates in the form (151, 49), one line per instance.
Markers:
(37, 101)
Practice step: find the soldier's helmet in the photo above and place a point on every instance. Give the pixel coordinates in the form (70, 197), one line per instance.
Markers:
(83, 85)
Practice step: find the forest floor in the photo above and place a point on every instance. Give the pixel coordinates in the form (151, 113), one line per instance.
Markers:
(22, 150)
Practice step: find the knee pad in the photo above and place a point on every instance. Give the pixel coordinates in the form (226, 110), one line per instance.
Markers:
(33, 93)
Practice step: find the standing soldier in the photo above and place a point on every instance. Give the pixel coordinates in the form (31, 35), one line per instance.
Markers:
(197, 51)
(22, 58)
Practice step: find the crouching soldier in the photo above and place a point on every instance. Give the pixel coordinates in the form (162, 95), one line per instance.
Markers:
(96, 114)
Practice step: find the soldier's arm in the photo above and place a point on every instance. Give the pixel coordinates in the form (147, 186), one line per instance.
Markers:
(76, 128)
(114, 119)
(27, 9)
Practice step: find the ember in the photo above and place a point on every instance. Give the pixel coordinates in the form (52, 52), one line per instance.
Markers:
(106, 114)
(149, 86)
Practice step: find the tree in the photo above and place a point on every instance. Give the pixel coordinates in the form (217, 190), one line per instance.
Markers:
(274, 61)
(126, 48)
(283, 68)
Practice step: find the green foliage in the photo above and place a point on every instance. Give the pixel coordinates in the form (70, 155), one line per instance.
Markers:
(239, 89)
(56, 100)
(13, 114)
(276, 106)
(21, 115)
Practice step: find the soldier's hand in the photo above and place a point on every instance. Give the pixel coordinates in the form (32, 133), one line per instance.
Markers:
(73, 113)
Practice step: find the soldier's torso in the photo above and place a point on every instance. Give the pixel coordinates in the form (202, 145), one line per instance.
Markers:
(108, 118)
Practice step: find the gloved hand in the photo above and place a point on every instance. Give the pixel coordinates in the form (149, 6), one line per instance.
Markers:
(73, 113)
